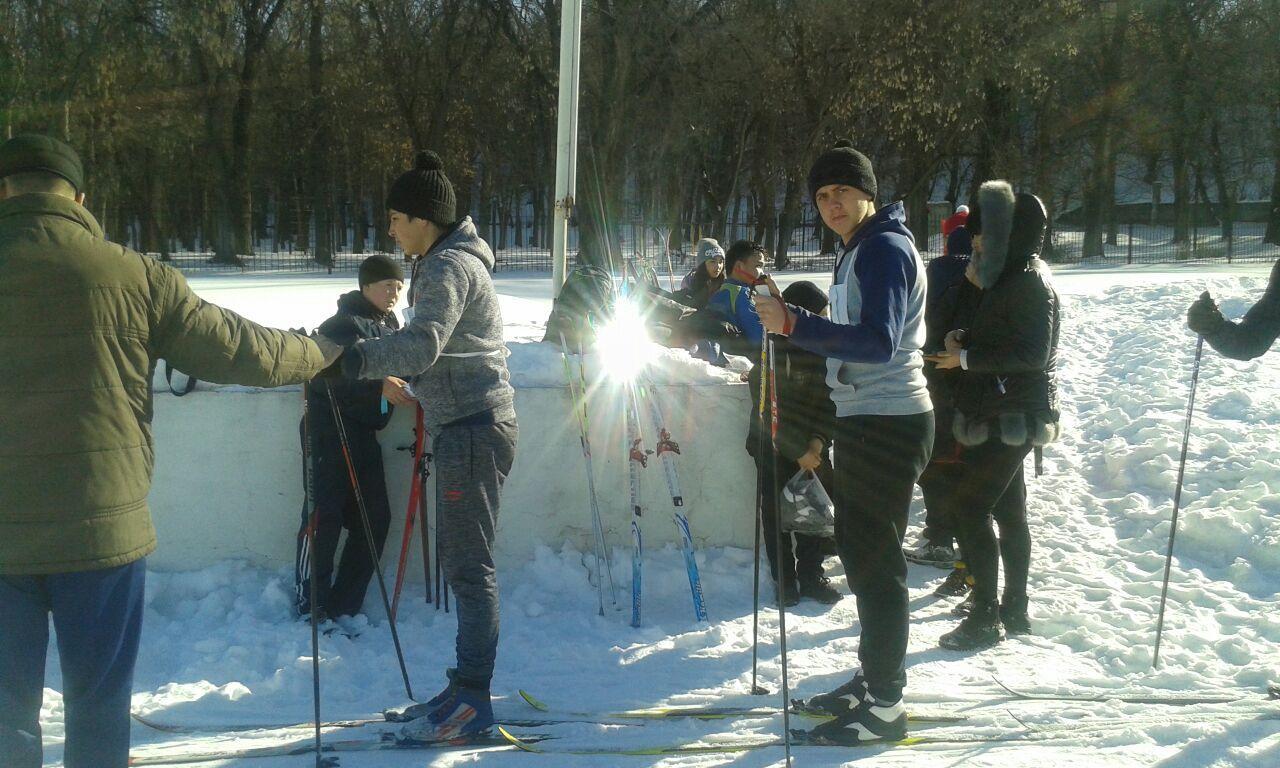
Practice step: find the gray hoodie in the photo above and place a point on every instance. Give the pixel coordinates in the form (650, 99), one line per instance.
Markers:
(452, 347)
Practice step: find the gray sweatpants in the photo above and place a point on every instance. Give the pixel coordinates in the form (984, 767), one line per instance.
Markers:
(472, 463)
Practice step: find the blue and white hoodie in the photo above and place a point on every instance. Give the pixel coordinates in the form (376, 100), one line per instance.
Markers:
(872, 341)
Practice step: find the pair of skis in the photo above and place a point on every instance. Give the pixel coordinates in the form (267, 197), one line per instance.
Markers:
(668, 452)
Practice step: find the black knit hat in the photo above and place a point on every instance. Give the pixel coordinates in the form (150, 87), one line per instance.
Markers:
(960, 242)
(425, 192)
(842, 164)
(377, 268)
(34, 152)
(805, 295)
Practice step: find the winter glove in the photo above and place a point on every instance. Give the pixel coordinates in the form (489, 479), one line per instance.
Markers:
(1203, 316)
(333, 353)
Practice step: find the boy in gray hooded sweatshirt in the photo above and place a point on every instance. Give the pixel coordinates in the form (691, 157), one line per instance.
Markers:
(452, 344)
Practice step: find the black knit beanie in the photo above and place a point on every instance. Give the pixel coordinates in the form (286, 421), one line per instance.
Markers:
(960, 242)
(805, 295)
(425, 192)
(842, 164)
(377, 268)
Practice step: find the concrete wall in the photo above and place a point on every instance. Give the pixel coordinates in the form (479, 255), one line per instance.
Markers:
(228, 482)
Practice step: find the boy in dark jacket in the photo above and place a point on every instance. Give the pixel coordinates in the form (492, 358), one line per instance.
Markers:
(805, 415)
(362, 314)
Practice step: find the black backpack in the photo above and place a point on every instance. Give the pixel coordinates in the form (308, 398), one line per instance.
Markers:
(585, 300)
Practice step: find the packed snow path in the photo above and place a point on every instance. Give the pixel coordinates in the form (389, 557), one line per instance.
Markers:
(219, 645)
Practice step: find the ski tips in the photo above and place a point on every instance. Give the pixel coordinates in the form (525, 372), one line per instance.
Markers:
(515, 741)
(534, 702)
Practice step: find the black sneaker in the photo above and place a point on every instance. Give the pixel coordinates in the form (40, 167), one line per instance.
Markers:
(980, 629)
(872, 720)
(837, 702)
(820, 590)
(964, 607)
(955, 585)
(928, 553)
(1013, 615)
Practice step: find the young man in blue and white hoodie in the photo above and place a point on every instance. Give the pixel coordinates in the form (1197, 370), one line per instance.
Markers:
(884, 427)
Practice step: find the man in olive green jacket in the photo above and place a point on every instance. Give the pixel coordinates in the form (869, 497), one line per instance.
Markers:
(82, 322)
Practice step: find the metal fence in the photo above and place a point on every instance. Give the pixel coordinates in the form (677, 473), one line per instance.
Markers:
(1131, 244)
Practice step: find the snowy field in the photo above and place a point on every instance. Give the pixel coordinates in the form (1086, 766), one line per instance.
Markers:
(219, 646)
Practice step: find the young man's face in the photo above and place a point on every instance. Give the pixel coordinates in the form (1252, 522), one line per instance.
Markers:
(748, 268)
(843, 208)
(413, 235)
(383, 294)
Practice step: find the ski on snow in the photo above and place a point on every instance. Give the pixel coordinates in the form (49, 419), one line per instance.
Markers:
(384, 742)
(1273, 693)
(799, 738)
(710, 713)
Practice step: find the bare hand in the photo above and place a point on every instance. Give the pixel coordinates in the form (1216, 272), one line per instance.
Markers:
(944, 360)
(396, 391)
(971, 273)
(773, 287)
(810, 461)
(774, 314)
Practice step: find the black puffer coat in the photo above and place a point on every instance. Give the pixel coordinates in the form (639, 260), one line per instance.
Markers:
(1009, 387)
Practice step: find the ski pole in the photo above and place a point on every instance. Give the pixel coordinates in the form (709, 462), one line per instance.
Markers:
(308, 473)
(757, 689)
(637, 459)
(599, 521)
(1177, 497)
(415, 488)
(368, 535)
(777, 533)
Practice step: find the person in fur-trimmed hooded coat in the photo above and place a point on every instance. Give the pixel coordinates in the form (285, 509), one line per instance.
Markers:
(1006, 404)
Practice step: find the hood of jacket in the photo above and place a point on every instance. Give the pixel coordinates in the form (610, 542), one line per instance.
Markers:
(1012, 227)
(890, 219)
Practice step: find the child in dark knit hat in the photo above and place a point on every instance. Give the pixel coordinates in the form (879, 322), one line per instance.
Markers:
(452, 345)
(366, 313)
(805, 416)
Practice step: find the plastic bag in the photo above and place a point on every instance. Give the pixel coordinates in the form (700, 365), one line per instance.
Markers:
(806, 507)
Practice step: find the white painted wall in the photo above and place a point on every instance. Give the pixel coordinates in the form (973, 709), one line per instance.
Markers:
(228, 481)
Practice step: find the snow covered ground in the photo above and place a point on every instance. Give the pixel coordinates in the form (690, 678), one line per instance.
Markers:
(219, 645)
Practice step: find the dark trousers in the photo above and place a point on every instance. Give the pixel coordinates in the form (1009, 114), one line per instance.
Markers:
(937, 484)
(97, 617)
(801, 553)
(878, 460)
(939, 479)
(472, 463)
(993, 487)
(342, 594)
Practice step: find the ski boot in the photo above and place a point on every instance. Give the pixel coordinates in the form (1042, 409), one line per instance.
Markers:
(837, 702)
(871, 720)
